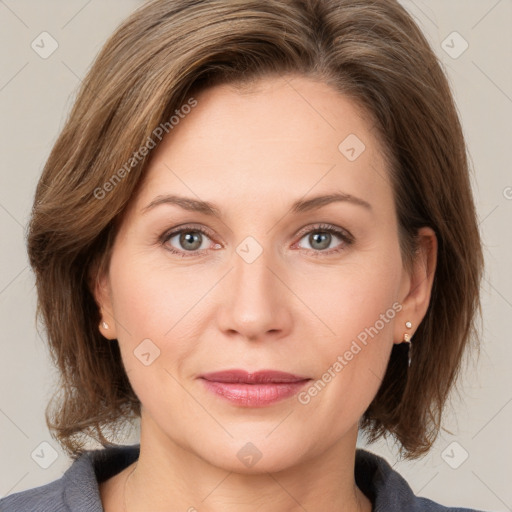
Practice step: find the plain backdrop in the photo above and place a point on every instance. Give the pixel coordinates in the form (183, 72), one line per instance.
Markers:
(469, 465)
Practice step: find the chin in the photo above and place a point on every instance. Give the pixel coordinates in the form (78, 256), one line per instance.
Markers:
(256, 454)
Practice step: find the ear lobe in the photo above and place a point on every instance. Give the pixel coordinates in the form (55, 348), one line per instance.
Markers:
(421, 278)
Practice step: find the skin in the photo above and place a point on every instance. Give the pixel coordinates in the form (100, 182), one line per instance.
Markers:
(253, 153)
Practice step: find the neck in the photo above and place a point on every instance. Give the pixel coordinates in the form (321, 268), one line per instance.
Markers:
(168, 477)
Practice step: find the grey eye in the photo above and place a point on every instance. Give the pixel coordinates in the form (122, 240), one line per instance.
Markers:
(189, 240)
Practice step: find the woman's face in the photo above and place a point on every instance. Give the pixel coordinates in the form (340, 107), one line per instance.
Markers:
(261, 284)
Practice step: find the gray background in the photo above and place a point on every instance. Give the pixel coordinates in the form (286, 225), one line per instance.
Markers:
(469, 465)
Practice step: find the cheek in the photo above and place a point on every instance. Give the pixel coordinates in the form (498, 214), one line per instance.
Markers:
(354, 296)
(156, 320)
(154, 334)
(151, 297)
(358, 307)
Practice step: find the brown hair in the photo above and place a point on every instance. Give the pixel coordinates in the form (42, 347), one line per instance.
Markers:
(372, 52)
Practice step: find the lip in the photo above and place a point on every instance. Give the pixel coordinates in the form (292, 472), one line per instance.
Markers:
(253, 389)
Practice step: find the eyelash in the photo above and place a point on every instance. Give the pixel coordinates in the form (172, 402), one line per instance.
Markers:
(346, 237)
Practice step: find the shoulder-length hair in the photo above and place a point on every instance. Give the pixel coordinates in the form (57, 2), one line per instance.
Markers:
(372, 52)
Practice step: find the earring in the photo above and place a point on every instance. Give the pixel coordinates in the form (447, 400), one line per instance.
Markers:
(407, 339)
(104, 325)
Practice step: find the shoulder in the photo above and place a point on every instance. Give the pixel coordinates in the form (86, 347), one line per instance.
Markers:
(45, 498)
(77, 490)
(388, 490)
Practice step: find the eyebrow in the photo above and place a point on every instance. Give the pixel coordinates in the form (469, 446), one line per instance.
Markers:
(300, 206)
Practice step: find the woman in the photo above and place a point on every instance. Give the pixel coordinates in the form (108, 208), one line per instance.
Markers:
(256, 233)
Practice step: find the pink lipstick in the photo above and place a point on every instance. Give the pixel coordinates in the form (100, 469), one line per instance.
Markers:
(253, 389)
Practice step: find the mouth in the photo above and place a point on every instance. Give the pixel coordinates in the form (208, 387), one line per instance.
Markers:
(253, 389)
(259, 377)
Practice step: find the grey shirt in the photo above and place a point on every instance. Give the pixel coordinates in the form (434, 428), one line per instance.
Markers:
(77, 490)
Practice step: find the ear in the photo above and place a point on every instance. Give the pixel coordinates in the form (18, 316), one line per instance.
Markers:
(416, 285)
(99, 284)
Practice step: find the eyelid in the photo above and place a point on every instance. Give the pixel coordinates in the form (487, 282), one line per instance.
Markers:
(190, 227)
(330, 228)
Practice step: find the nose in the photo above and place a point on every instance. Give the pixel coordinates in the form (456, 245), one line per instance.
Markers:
(255, 303)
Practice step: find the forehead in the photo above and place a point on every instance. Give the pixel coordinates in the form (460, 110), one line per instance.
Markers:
(286, 136)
